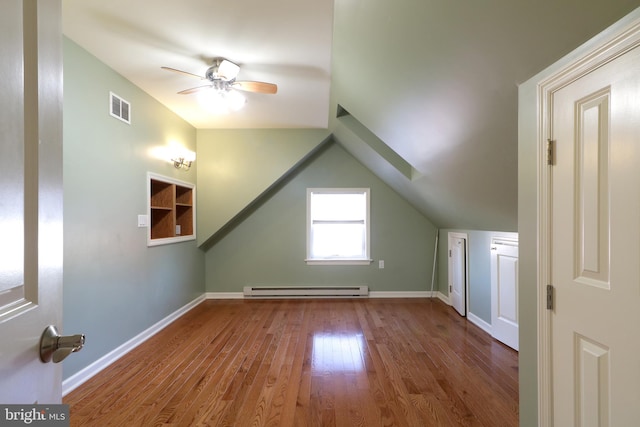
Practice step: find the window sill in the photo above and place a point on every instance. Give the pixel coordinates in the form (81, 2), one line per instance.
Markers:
(357, 261)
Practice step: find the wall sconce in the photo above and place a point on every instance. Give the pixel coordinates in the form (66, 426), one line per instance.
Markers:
(183, 159)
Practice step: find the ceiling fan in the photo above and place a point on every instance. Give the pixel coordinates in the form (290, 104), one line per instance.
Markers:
(221, 76)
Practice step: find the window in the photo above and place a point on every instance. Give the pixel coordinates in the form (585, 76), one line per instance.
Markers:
(338, 226)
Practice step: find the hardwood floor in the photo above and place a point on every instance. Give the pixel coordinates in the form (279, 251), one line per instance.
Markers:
(317, 362)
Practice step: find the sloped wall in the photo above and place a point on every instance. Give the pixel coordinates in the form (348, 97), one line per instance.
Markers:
(237, 166)
(269, 246)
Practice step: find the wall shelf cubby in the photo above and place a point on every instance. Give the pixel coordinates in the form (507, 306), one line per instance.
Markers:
(171, 210)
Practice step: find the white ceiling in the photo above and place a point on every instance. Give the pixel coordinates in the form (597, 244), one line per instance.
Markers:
(286, 42)
(435, 80)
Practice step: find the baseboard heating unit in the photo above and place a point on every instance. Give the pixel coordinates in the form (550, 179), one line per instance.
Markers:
(305, 291)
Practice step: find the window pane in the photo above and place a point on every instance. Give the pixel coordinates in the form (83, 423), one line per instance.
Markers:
(338, 240)
(338, 206)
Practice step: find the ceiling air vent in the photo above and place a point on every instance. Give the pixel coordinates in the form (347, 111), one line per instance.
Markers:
(120, 109)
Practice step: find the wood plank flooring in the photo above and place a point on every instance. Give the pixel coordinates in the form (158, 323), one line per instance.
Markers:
(316, 362)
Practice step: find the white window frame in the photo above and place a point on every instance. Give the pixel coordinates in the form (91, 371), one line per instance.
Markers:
(366, 260)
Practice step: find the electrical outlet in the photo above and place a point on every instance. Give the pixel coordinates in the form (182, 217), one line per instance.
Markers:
(381, 264)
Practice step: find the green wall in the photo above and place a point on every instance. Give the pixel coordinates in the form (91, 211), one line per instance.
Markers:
(528, 255)
(479, 268)
(237, 165)
(114, 285)
(269, 246)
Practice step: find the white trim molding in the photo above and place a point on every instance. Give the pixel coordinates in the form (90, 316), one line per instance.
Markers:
(94, 368)
(444, 298)
(408, 294)
(485, 326)
(224, 295)
(372, 294)
(315, 258)
(602, 49)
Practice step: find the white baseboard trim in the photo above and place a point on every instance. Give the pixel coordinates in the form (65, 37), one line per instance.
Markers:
(224, 295)
(470, 316)
(444, 298)
(372, 294)
(86, 373)
(391, 294)
(479, 323)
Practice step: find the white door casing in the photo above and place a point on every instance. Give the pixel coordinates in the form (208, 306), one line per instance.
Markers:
(30, 197)
(589, 369)
(458, 272)
(504, 291)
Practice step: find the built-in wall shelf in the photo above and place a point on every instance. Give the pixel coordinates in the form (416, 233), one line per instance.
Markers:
(171, 210)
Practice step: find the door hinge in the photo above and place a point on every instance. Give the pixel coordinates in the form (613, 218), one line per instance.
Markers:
(550, 152)
(549, 297)
(450, 288)
(449, 253)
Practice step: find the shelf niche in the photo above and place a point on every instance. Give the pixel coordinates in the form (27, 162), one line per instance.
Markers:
(171, 210)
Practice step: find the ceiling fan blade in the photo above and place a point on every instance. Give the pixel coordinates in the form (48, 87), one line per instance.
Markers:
(228, 70)
(194, 89)
(183, 72)
(259, 87)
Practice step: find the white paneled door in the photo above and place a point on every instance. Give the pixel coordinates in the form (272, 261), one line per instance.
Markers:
(30, 197)
(595, 246)
(458, 272)
(504, 291)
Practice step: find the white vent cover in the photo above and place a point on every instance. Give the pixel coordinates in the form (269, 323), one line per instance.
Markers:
(119, 108)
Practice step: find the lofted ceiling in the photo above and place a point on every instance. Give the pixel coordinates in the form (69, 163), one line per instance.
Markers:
(286, 42)
(435, 81)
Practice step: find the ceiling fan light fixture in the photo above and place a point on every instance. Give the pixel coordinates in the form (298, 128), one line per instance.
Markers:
(235, 100)
(221, 101)
(225, 69)
(220, 94)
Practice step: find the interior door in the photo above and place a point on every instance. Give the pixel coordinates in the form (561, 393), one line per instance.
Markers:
(595, 246)
(30, 197)
(504, 291)
(458, 272)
